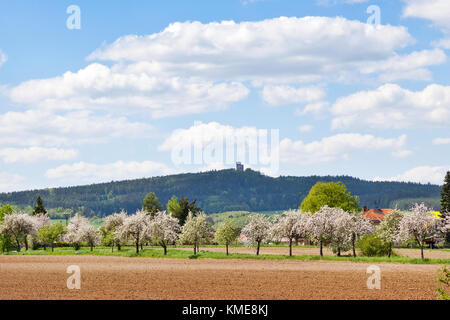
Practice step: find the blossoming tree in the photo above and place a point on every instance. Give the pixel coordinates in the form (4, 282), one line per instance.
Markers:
(196, 230)
(418, 225)
(18, 226)
(227, 233)
(321, 226)
(163, 229)
(134, 228)
(257, 230)
(290, 225)
(389, 229)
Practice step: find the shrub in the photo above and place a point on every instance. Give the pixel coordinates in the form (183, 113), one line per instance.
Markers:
(373, 246)
(444, 280)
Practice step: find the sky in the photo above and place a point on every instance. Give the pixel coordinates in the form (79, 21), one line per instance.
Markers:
(96, 91)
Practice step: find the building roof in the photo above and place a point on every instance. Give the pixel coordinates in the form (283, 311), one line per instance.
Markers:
(376, 214)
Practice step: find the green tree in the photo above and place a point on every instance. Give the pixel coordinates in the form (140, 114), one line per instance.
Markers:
(4, 210)
(227, 233)
(185, 208)
(5, 239)
(51, 233)
(39, 208)
(173, 207)
(445, 202)
(151, 204)
(332, 194)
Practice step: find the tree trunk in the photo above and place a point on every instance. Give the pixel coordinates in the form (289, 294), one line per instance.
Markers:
(353, 245)
(137, 246)
(112, 248)
(339, 252)
(421, 251)
(321, 248)
(142, 246)
(290, 247)
(92, 248)
(45, 247)
(390, 250)
(118, 246)
(165, 249)
(227, 247)
(52, 248)
(257, 248)
(26, 244)
(18, 245)
(195, 249)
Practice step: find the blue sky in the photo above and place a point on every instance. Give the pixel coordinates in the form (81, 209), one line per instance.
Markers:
(139, 80)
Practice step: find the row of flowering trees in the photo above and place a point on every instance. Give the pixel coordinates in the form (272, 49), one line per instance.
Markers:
(328, 226)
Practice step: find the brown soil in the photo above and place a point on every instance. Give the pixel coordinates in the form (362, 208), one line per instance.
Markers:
(44, 277)
(412, 253)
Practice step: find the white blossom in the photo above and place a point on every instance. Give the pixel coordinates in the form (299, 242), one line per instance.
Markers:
(163, 229)
(196, 230)
(75, 228)
(290, 225)
(321, 226)
(257, 230)
(19, 226)
(134, 228)
(418, 225)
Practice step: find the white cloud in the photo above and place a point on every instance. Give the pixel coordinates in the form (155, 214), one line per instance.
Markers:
(283, 95)
(35, 154)
(410, 66)
(391, 106)
(335, 147)
(12, 182)
(305, 128)
(43, 128)
(278, 50)
(436, 11)
(325, 150)
(83, 172)
(316, 108)
(440, 141)
(3, 58)
(127, 89)
(424, 174)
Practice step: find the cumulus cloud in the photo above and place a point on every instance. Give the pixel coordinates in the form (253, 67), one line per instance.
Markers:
(391, 106)
(423, 174)
(127, 89)
(325, 150)
(83, 172)
(275, 50)
(12, 182)
(283, 95)
(436, 11)
(38, 128)
(440, 141)
(35, 154)
(335, 147)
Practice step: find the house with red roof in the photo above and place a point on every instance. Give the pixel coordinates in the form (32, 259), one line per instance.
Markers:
(375, 215)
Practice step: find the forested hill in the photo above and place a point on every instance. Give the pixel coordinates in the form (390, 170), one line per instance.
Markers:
(215, 191)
